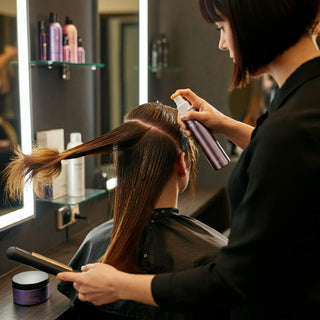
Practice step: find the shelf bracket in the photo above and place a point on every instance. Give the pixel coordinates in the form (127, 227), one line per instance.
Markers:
(65, 72)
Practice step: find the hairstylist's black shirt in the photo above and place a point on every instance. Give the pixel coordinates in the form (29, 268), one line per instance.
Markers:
(271, 266)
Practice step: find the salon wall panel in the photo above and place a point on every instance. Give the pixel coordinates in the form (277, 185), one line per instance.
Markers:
(69, 104)
(205, 69)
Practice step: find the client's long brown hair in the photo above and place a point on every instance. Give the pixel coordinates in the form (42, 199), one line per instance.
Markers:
(145, 147)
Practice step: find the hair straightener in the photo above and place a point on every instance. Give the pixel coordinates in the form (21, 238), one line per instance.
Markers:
(37, 261)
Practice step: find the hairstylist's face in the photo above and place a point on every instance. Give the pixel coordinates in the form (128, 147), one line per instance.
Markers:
(226, 42)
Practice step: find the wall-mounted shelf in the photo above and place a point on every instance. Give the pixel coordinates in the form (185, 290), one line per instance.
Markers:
(66, 200)
(158, 71)
(64, 66)
(93, 66)
(165, 69)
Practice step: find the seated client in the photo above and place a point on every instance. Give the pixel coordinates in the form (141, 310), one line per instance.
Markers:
(153, 159)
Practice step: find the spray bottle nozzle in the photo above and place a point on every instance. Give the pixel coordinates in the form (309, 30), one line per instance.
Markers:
(178, 100)
(182, 104)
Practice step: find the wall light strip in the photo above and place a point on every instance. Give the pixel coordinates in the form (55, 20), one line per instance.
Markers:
(24, 75)
(24, 92)
(27, 211)
(143, 51)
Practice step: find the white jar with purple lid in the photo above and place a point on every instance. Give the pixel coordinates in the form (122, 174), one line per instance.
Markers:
(30, 287)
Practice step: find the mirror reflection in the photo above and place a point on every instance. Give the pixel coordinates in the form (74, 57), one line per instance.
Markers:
(9, 92)
(119, 42)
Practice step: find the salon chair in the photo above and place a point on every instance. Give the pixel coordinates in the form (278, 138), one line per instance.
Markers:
(85, 311)
(72, 314)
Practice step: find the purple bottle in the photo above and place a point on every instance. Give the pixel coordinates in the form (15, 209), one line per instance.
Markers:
(43, 55)
(55, 38)
(207, 142)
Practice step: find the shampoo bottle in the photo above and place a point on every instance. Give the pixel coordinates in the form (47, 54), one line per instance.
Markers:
(208, 144)
(165, 51)
(72, 33)
(43, 45)
(154, 53)
(76, 174)
(66, 49)
(55, 38)
(81, 52)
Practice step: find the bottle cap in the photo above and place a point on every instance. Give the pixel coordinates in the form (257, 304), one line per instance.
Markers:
(42, 26)
(65, 40)
(68, 20)
(75, 137)
(53, 17)
(182, 104)
(79, 42)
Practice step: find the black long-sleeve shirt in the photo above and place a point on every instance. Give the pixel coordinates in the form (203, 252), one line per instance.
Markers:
(271, 266)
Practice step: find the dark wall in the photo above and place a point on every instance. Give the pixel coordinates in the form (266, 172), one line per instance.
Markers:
(205, 69)
(57, 103)
(69, 104)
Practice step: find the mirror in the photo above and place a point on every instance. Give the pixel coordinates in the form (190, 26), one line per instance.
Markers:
(123, 41)
(15, 112)
(119, 43)
(143, 52)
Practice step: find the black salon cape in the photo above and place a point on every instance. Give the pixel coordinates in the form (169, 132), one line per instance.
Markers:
(170, 242)
(270, 268)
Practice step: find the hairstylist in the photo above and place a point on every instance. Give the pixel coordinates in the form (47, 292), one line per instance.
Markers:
(270, 268)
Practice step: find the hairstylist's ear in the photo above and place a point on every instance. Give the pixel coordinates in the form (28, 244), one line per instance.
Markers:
(181, 165)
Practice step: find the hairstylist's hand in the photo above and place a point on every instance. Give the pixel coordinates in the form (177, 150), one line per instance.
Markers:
(239, 133)
(208, 115)
(101, 283)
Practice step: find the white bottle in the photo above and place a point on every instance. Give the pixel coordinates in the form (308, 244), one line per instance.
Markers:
(76, 177)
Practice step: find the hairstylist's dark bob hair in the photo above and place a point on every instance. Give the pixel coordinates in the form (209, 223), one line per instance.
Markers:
(262, 29)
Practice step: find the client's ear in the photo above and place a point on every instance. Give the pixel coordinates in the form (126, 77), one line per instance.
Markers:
(181, 165)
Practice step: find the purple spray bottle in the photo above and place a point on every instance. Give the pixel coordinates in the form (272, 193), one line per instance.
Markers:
(211, 148)
(55, 38)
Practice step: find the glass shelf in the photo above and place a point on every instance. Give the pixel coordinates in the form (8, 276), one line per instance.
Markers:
(165, 69)
(158, 72)
(66, 200)
(64, 66)
(49, 64)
